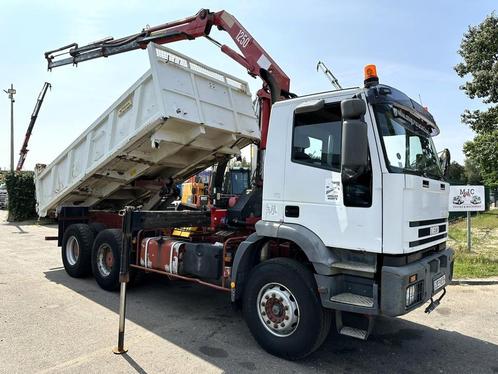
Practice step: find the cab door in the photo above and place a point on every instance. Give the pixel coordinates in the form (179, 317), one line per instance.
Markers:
(313, 190)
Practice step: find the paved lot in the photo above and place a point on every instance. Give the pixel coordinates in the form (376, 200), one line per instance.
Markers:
(51, 323)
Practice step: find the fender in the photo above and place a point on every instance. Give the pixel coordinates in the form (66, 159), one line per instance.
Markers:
(317, 253)
(244, 257)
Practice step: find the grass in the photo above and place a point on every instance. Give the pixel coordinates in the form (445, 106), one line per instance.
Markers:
(483, 260)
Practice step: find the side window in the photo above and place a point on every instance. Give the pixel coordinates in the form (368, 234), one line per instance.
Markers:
(396, 149)
(415, 150)
(316, 138)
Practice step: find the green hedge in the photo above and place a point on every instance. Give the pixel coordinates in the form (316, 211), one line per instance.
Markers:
(22, 200)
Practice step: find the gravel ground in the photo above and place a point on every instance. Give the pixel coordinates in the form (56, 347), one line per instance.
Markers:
(52, 323)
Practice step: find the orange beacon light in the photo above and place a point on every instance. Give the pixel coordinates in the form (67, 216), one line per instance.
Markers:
(371, 77)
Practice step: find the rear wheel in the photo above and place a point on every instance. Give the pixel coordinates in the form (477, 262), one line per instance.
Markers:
(283, 310)
(76, 250)
(106, 255)
(96, 228)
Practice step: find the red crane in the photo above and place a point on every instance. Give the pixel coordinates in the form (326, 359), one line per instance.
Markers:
(24, 149)
(253, 57)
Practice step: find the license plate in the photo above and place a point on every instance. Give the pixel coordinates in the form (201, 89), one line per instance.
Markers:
(439, 282)
(434, 230)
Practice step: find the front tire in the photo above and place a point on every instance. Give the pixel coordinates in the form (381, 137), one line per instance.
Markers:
(283, 310)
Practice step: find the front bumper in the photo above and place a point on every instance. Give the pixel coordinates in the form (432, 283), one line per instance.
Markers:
(396, 279)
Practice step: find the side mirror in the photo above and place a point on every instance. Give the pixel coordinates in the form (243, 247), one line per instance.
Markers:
(444, 161)
(354, 152)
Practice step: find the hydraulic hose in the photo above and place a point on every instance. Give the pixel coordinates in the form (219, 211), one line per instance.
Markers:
(275, 91)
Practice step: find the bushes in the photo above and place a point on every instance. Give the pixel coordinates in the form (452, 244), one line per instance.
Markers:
(22, 200)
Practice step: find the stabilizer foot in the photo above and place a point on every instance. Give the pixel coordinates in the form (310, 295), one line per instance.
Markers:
(118, 351)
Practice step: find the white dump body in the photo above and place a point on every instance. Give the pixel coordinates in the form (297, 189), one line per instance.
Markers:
(177, 119)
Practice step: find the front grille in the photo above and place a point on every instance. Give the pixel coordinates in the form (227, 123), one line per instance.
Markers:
(400, 260)
(427, 240)
(427, 231)
(427, 222)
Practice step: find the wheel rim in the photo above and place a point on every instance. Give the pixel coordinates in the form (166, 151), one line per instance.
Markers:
(72, 250)
(105, 260)
(278, 309)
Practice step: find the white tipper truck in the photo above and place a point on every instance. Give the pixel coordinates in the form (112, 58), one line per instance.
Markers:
(347, 212)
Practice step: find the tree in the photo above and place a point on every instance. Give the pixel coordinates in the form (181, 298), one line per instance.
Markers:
(21, 190)
(479, 50)
(471, 173)
(483, 150)
(456, 174)
(467, 174)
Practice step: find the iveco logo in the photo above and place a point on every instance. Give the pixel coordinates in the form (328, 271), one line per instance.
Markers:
(434, 230)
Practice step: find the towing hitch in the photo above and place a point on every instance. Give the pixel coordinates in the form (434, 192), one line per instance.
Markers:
(434, 304)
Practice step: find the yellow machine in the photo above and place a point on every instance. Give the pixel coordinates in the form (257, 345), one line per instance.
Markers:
(194, 194)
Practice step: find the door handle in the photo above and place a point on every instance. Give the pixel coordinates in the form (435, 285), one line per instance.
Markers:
(292, 211)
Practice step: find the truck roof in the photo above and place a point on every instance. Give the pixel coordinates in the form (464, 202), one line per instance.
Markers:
(320, 95)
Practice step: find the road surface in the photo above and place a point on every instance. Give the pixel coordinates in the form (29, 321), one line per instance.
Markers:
(51, 323)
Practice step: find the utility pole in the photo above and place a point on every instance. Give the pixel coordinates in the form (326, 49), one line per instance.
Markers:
(11, 92)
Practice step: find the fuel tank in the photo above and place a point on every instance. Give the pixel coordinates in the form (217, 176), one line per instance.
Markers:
(162, 253)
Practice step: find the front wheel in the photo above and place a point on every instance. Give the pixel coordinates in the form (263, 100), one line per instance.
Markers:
(283, 310)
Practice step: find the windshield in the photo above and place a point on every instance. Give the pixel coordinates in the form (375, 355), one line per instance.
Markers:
(407, 148)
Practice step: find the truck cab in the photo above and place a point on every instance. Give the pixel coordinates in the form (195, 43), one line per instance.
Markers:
(356, 171)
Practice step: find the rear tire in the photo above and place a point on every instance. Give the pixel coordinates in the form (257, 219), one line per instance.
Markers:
(283, 310)
(106, 257)
(76, 250)
(96, 228)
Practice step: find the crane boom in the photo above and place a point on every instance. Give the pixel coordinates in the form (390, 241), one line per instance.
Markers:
(253, 57)
(34, 116)
(333, 80)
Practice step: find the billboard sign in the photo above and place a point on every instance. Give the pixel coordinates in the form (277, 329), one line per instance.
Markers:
(466, 198)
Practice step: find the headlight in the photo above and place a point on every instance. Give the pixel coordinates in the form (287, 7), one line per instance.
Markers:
(414, 293)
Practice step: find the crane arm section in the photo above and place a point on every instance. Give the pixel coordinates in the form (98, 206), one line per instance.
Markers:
(253, 57)
(34, 116)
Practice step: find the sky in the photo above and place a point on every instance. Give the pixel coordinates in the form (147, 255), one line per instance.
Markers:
(413, 44)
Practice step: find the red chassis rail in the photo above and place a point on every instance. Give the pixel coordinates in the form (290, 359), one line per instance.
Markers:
(254, 58)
